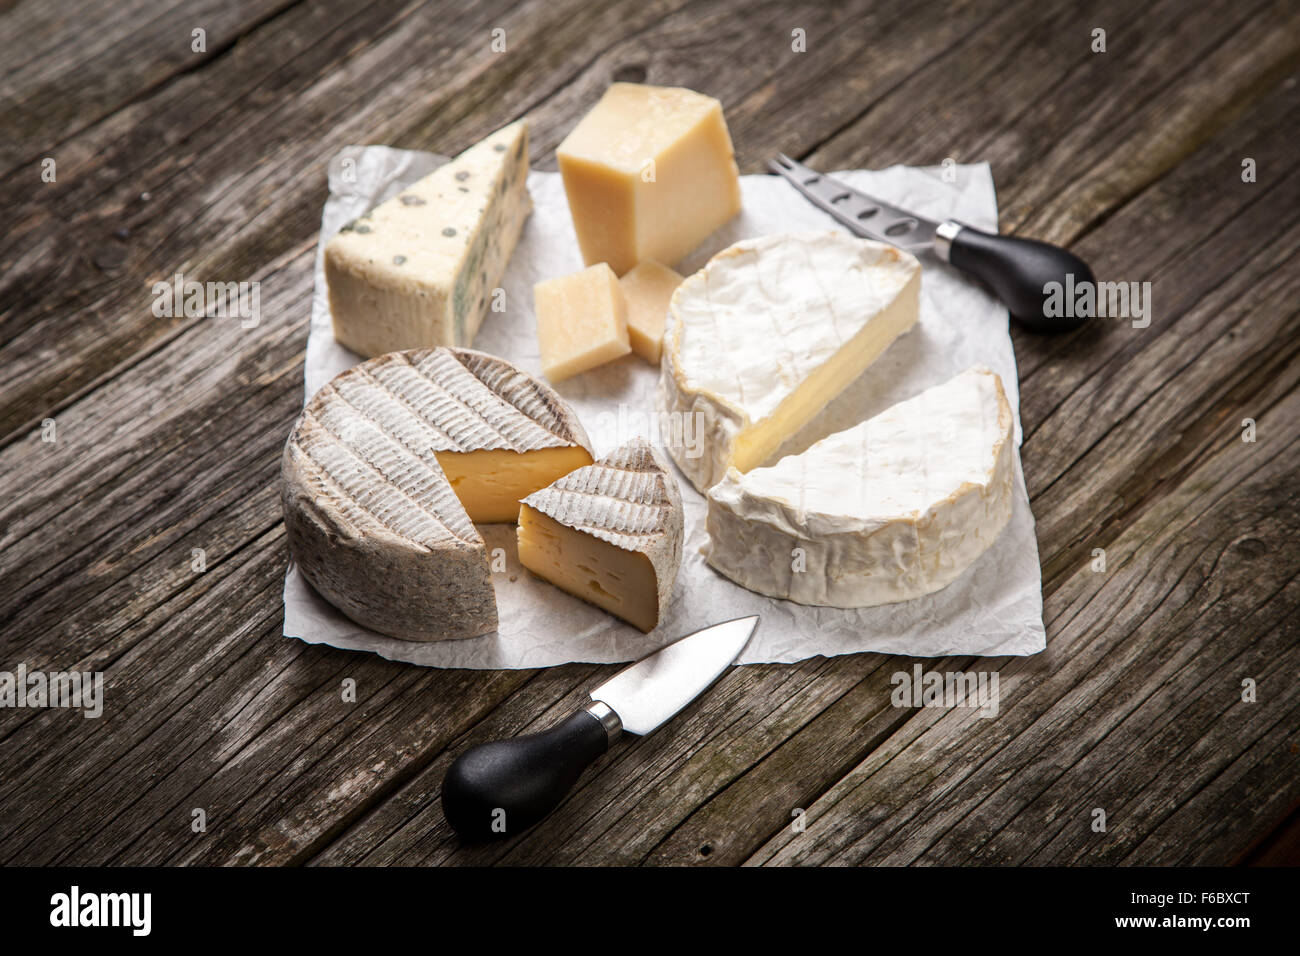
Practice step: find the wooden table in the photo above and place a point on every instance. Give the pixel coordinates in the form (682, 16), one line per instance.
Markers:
(167, 433)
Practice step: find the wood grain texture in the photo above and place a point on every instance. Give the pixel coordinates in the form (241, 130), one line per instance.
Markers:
(169, 432)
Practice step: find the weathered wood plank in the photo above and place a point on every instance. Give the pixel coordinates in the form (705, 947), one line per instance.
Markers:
(1112, 123)
(1280, 848)
(1083, 400)
(68, 65)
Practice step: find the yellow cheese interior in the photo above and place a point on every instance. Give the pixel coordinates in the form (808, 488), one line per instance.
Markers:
(620, 582)
(649, 173)
(491, 482)
(648, 289)
(757, 443)
(581, 321)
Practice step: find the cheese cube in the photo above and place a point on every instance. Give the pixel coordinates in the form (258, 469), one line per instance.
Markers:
(648, 289)
(419, 269)
(649, 174)
(581, 321)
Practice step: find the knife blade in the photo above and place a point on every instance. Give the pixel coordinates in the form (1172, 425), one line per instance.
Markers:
(1021, 272)
(861, 214)
(501, 788)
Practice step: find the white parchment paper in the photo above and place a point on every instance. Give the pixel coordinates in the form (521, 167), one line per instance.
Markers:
(995, 608)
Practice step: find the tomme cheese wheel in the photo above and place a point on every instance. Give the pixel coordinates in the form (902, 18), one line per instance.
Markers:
(391, 463)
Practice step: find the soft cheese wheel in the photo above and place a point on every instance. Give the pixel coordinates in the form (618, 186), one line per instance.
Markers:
(649, 174)
(767, 334)
(419, 269)
(610, 533)
(389, 465)
(891, 509)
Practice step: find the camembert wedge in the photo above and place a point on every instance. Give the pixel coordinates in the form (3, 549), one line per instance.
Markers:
(419, 269)
(610, 533)
(891, 509)
(767, 334)
(391, 463)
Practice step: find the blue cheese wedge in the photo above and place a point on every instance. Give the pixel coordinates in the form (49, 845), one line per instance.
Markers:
(419, 269)
(390, 465)
(610, 533)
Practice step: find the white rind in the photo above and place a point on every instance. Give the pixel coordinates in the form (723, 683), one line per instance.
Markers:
(889, 510)
(629, 499)
(762, 316)
(370, 517)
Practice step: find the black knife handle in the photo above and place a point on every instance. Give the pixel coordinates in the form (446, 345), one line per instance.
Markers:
(501, 788)
(1018, 270)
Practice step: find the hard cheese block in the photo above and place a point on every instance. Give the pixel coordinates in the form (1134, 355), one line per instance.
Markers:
(581, 321)
(610, 534)
(768, 333)
(888, 510)
(649, 174)
(391, 463)
(419, 269)
(648, 289)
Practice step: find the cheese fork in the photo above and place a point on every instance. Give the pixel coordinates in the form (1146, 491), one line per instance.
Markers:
(1019, 271)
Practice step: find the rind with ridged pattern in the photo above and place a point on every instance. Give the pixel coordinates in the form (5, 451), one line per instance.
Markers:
(629, 499)
(371, 519)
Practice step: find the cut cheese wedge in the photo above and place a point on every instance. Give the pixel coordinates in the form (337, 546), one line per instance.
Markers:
(391, 463)
(767, 334)
(419, 269)
(610, 534)
(891, 509)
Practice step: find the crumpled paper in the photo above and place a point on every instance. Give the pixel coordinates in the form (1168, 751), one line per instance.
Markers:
(995, 608)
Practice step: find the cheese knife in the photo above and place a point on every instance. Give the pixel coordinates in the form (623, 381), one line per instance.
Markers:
(1017, 270)
(501, 788)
